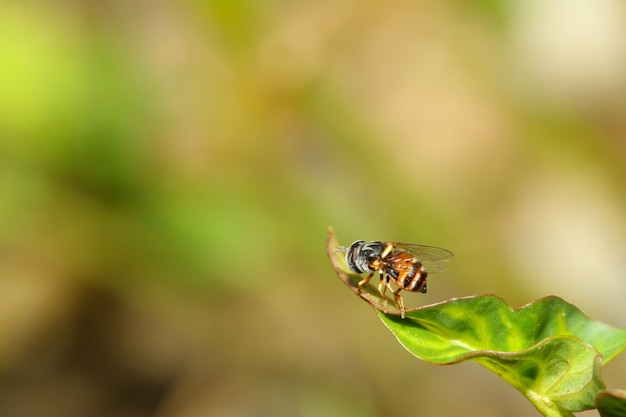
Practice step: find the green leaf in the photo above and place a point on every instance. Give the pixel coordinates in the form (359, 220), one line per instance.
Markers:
(488, 323)
(559, 374)
(549, 350)
(612, 403)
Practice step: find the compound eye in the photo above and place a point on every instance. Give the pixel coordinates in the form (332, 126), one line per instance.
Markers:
(351, 255)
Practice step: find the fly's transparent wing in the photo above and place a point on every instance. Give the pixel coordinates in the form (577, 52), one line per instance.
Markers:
(434, 267)
(428, 254)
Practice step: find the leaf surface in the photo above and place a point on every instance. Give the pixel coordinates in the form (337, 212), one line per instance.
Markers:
(550, 364)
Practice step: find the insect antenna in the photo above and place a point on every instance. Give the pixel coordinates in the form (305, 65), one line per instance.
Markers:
(340, 249)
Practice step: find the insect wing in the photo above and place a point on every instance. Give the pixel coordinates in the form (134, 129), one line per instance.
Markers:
(426, 253)
(434, 267)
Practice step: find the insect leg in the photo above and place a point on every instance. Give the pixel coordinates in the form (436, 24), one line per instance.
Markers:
(365, 280)
(381, 288)
(399, 301)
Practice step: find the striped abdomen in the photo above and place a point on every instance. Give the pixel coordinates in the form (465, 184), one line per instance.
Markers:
(407, 272)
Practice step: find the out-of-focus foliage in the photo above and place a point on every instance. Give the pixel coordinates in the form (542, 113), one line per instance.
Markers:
(168, 171)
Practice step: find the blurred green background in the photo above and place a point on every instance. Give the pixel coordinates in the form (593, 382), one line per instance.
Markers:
(168, 171)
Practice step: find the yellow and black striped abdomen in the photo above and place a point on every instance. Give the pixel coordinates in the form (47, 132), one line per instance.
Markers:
(406, 271)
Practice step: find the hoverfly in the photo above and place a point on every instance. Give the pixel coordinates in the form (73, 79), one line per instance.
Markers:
(406, 265)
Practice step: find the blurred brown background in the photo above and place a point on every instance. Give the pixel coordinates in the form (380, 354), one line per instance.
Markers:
(168, 171)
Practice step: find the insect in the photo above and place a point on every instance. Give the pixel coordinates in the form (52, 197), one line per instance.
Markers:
(406, 265)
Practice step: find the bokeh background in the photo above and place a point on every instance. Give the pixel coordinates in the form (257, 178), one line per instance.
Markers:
(169, 169)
